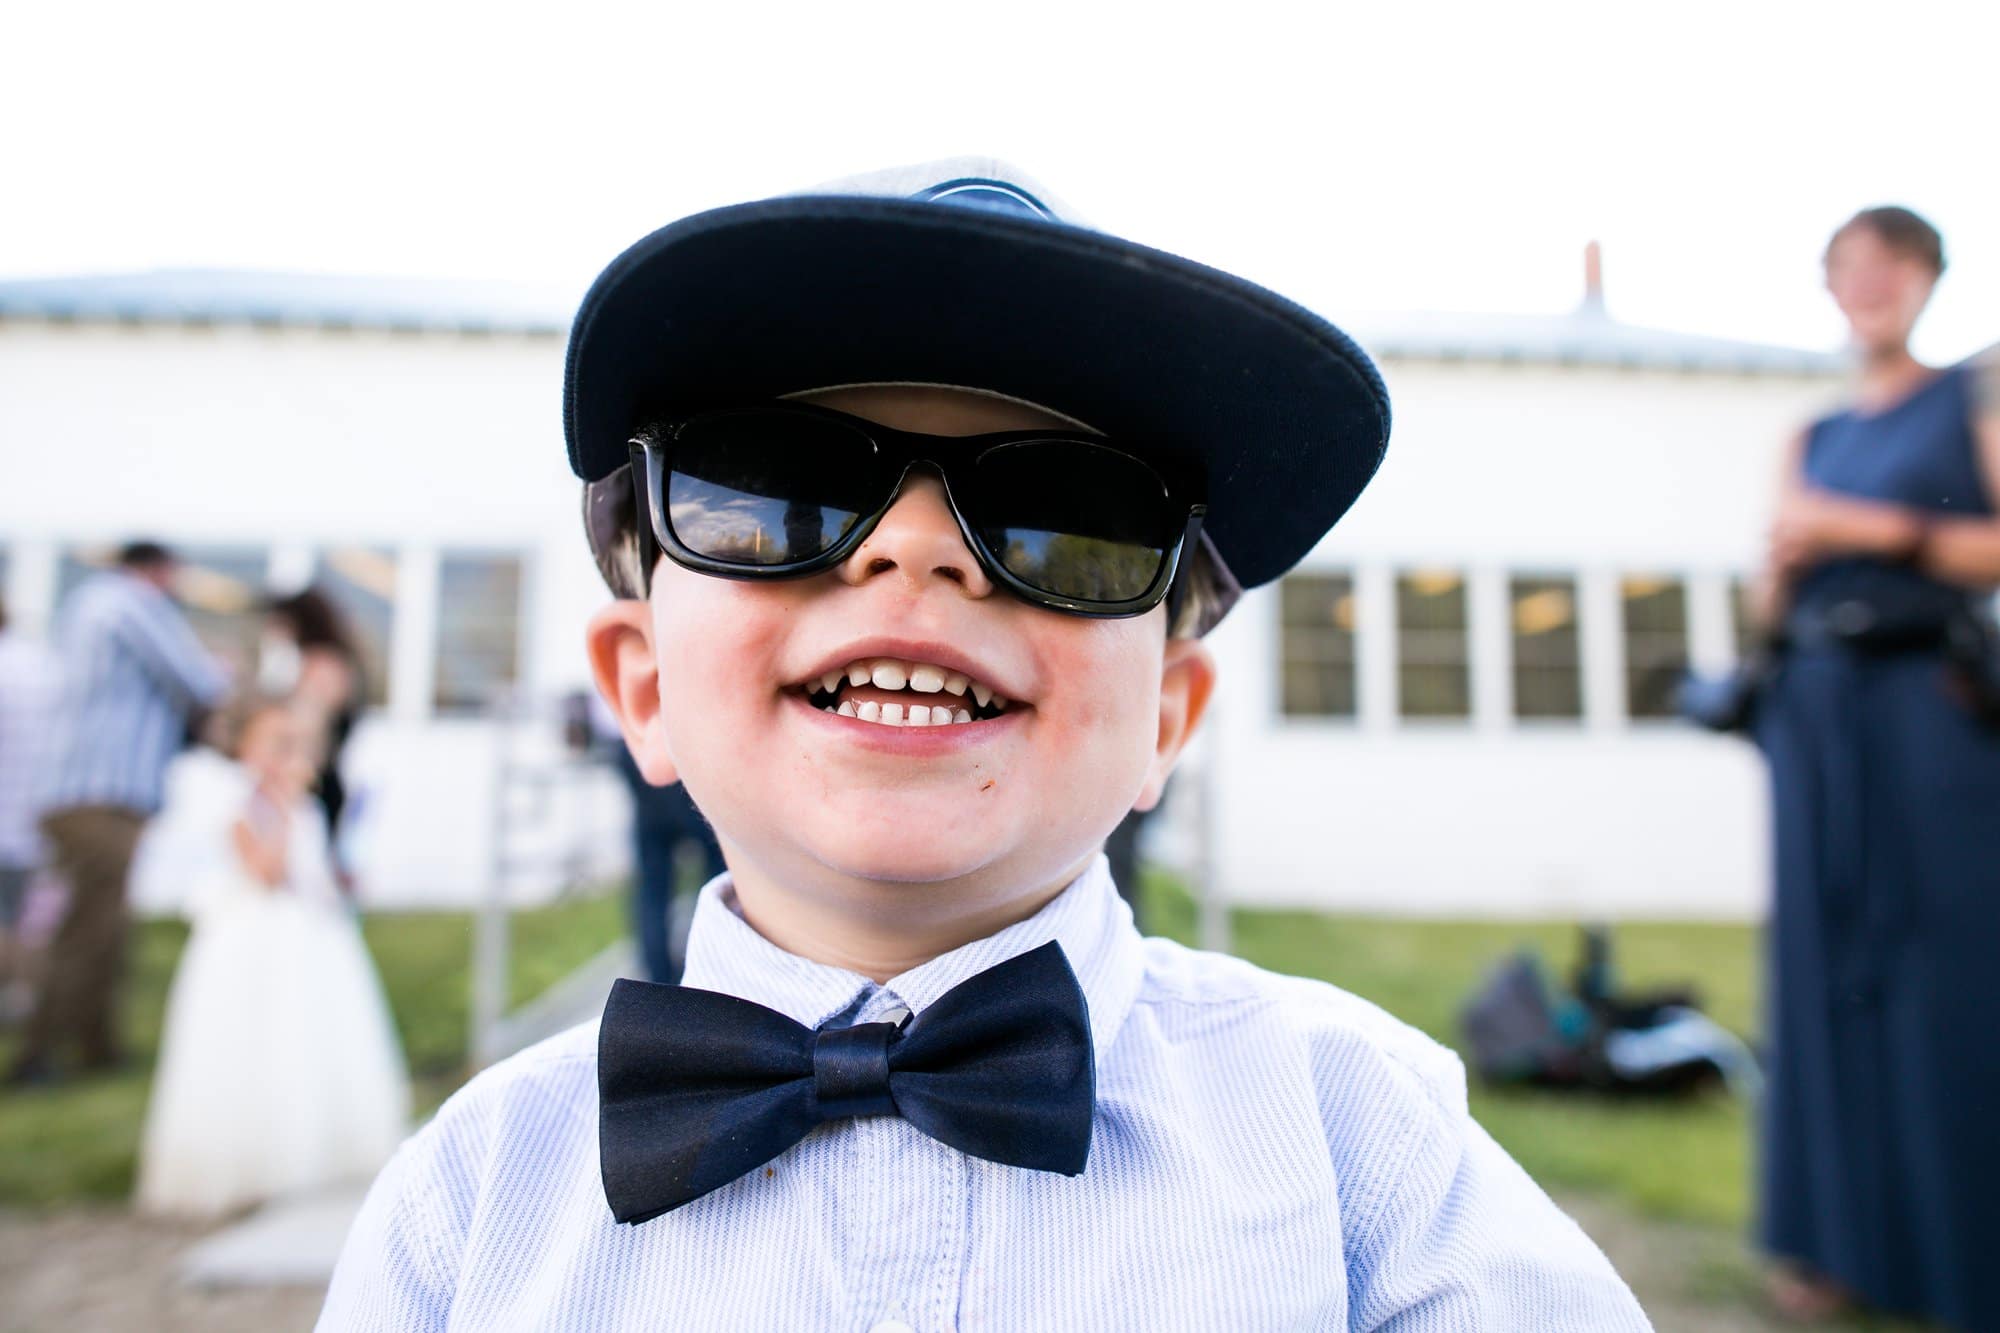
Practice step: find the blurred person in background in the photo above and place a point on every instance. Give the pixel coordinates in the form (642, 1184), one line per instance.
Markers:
(136, 680)
(1881, 1171)
(310, 655)
(664, 819)
(1122, 850)
(28, 687)
(279, 1068)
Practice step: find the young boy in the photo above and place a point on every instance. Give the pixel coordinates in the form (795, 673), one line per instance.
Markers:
(917, 500)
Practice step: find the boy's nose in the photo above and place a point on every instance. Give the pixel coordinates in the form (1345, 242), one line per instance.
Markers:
(917, 540)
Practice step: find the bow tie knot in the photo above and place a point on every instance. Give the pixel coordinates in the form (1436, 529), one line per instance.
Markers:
(851, 1070)
(696, 1089)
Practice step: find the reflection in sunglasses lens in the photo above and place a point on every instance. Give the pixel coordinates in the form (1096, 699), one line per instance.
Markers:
(767, 489)
(1075, 520)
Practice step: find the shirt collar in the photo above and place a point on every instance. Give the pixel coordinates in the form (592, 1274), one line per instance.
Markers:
(1088, 919)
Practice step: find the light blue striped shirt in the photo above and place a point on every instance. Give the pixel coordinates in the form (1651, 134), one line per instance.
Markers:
(133, 675)
(1267, 1153)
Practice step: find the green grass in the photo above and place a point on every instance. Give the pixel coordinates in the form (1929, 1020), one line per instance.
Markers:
(426, 958)
(1681, 1158)
(80, 1140)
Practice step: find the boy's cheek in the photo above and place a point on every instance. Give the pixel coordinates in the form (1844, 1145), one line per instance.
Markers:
(714, 644)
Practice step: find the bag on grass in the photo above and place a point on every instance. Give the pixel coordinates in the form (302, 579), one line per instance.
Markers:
(1520, 1030)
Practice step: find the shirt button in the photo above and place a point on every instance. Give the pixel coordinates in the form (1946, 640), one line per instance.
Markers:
(891, 1326)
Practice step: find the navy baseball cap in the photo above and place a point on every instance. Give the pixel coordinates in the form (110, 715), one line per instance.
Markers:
(965, 273)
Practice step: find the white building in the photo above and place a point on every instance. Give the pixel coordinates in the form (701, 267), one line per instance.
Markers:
(401, 443)
(1450, 708)
(1458, 703)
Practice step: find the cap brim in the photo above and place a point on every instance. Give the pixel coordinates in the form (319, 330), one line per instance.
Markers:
(1285, 417)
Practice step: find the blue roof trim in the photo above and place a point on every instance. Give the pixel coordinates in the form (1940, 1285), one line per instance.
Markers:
(290, 300)
(1586, 337)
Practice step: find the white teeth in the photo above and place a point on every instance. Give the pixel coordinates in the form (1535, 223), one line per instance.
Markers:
(921, 677)
(898, 715)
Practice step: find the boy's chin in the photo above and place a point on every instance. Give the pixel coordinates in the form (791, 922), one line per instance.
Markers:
(920, 857)
(926, 866)
(921, 831)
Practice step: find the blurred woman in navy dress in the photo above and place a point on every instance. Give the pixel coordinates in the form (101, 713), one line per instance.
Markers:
(1881, 1164)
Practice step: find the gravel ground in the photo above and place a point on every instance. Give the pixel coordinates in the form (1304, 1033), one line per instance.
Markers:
(1695, 1279)
(86, 1270)
(1690, 1279)
(102, 1270)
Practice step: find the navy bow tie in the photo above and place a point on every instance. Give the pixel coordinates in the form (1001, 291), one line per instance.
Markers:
(696, 1089)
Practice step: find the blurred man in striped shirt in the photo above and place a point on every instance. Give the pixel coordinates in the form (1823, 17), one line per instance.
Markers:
(136, 680)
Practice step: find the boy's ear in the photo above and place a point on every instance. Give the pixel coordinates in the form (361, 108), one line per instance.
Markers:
(619, 641)
(1187, 678)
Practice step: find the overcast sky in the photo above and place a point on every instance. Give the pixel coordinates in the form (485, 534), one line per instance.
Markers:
(1383, 157)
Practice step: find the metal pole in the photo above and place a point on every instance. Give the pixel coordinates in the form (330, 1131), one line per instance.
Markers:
(489, 931)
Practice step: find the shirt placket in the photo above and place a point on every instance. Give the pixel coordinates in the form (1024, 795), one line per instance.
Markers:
(908, 1208)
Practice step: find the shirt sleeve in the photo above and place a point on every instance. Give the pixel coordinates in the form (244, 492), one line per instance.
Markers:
(398, 1268)
(167, 649)
(1467, 1241)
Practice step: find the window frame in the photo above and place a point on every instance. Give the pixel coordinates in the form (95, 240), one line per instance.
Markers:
(1334, 575)
(1462, 575)
(1682, 582)
(519, 684)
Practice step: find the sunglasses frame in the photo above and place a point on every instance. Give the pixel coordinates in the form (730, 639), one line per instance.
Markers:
(952, 458)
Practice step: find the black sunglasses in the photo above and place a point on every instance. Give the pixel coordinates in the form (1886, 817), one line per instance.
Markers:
(1065, 521)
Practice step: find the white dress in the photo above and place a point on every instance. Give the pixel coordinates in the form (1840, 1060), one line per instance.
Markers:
(279, 1069)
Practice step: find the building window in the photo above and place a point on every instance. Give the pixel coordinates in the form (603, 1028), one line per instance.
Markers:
(1548, 658)
(1317, 645)
(479, 631)
(1433, 671)
(1656, 644)
(1742, 616)
(361, 581)
(222, 590)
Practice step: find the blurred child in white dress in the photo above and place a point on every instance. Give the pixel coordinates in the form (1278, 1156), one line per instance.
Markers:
(279, 1069)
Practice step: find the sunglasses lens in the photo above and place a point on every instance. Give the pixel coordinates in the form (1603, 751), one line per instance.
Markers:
(1075, 519)
(768, 488)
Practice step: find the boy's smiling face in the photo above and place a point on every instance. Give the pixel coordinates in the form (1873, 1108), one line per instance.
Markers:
(722, 684)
